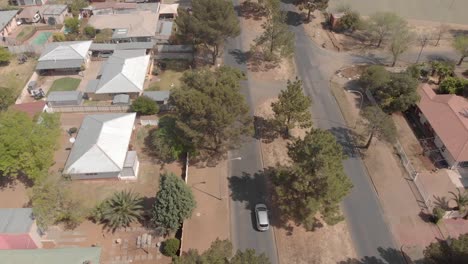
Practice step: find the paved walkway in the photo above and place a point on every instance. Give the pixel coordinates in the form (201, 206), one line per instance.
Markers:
(210, 220)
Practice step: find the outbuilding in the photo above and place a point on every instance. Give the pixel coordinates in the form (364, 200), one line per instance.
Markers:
(54, 14)
(65, 98)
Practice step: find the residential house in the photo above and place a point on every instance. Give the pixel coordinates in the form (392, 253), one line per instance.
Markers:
(32, 109)
(18, 229)
(123, 73)
(30, 14)
(65, 98)
(75, 255)
(64, 56)
(54, 14)
(7, 22)
(101, 149)
(444, 118)
(27, 2)
(137, 26)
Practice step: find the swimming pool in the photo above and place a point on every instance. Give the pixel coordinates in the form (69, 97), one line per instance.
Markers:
(42, 38)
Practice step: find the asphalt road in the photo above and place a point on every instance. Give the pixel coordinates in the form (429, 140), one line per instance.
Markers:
(246, 183)
(369, 231)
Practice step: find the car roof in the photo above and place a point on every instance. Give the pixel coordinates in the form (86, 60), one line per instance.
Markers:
(262, 217)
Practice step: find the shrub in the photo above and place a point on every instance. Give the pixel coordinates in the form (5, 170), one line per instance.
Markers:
(73, 130)
(144, 105)
(453, 85)
(438, 214)
(350, 21)
(58, 37)
(72, 24)
(5, 56)
(90, 31)
(170, 247)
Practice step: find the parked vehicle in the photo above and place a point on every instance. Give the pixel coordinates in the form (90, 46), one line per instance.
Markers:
(261, 214)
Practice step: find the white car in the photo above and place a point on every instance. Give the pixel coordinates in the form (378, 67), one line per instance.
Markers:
(261, 214)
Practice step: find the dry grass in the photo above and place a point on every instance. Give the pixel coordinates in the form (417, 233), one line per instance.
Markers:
(165, 81)
(16, 75)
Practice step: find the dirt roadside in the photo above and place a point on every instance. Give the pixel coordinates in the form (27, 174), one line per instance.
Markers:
(295, 244)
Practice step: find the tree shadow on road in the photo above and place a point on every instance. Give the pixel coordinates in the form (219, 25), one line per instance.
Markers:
(240, 56)
(248, 188)
(343, 137)
(265, 129)
(387, 256)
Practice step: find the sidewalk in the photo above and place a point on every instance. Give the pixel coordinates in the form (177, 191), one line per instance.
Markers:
(210, 219)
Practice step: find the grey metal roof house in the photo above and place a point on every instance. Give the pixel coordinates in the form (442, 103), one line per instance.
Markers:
(75, 255)
(64, 55)
(101, 150)
(6, 18)
(62, 98)
(121, 99)
(161, 97)
(124, 72)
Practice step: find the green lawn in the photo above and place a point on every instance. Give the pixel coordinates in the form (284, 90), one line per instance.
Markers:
(65, 84)
(167, 77)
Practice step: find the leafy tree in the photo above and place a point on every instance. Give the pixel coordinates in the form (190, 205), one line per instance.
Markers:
(350, 21)
(292, 107)
(190, 257)
(374, 76)
(5, 56)
(164, 143)
(144, 105)
(249, 257)
(276, 39)
(443, 69)
(121, 209)
(210, 23)
(461, 199)
(382, 25)
(174, 202)
(76, 5)
(454, 85)
(398, 94)
(451, 251)
(90, 31)
(52, 203)
(460, 43)
(400, 42)
(103, 35)
(212, 115)
(218, 253)
(27, 146)
(315, 182)
(7, 98)
(170, 247)
(73, 25)
(58, 37)
(378, 124)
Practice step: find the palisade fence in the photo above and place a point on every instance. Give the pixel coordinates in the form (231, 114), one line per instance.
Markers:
(412, 172)
(89, 108)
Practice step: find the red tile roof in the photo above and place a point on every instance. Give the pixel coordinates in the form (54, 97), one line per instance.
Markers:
(31, 108)
(448, 116)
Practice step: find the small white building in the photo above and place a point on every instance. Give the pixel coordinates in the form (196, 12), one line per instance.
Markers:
(101, 149)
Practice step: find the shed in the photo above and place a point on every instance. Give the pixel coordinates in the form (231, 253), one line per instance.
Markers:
(121, 99)
(18, 229)
(61, 98)
(54, 14)
(160, 97)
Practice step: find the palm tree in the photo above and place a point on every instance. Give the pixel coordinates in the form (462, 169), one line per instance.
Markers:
(461, 199)
(121, 209)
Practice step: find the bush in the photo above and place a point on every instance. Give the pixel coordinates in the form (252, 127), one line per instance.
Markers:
(350, 21)
(73, 130)
(438, 214)
(58, 37)
(103, 35)
(454, 85)
(164, 143)
(170, 247)
(72, 24)
(144, 105)
(90, 31)
(5, 56)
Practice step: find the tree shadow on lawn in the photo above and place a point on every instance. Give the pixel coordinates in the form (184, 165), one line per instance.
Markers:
(387, 256)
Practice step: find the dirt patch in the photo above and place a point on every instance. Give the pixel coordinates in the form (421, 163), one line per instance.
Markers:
(318, 34)
(295, 244)
(261, 70)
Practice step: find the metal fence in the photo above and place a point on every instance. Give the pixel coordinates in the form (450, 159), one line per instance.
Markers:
(89, 108)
